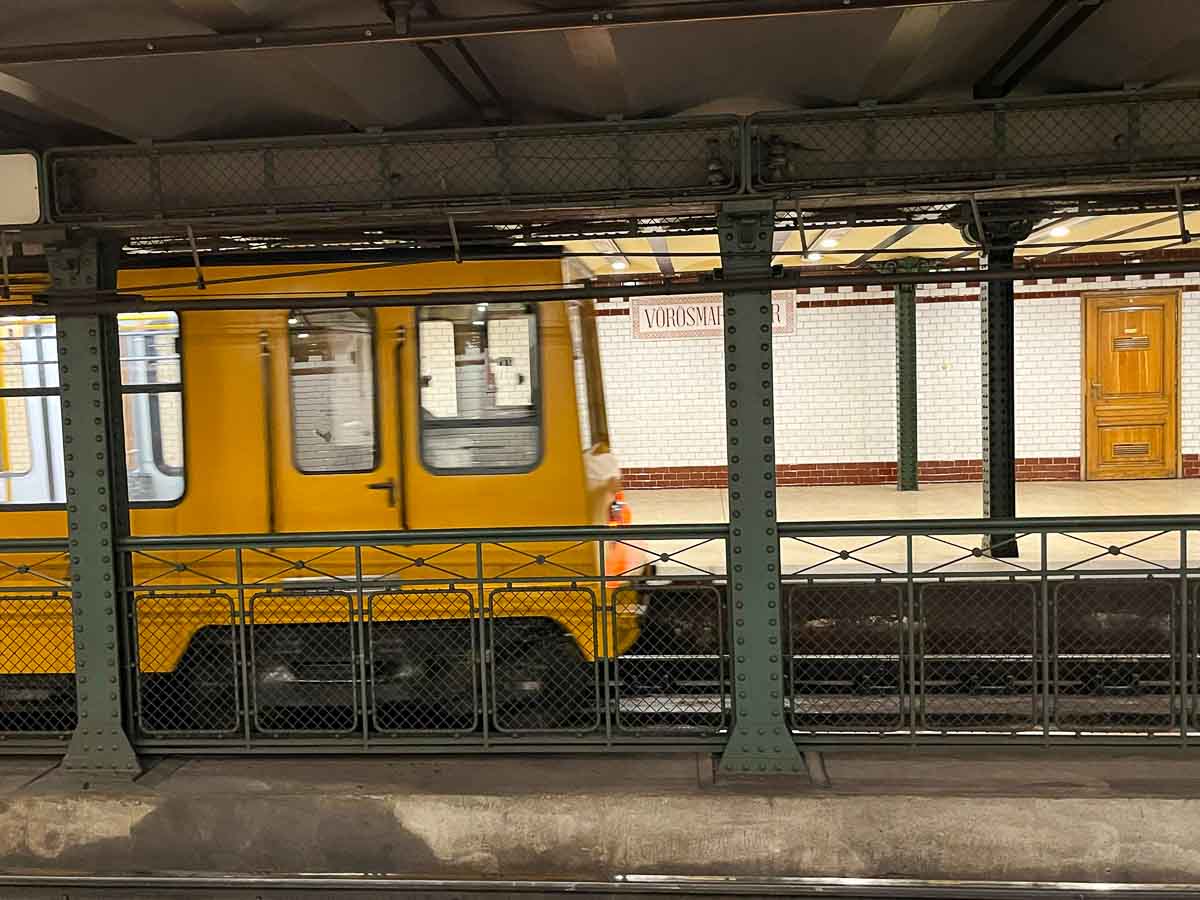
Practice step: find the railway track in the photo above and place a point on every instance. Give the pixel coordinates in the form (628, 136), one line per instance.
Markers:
(310, 887)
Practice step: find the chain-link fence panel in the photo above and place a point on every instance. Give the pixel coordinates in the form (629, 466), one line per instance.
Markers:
(675, 677)
(543, 645)
(606, 161)
(187, 654)
(303, 673)
(977, 656)
(423, 661)
(37, 664)
(976, 145)
(847, 656)
(1114, 655)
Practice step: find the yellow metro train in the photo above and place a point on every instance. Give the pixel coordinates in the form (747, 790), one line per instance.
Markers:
(487, 414)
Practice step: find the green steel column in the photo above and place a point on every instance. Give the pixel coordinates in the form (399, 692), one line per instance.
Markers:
(97, 508)
(999, 241)
(906, 373)
(760, 741)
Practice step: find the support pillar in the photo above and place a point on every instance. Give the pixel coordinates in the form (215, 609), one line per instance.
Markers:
(97, 503)
(760, 741)
(905, 300)
(998, 241)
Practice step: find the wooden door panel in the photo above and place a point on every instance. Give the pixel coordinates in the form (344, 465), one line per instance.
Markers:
(1131, 450)
(1130, 393)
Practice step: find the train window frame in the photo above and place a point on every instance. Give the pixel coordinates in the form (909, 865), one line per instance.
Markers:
(174, 387)
(45, 393)
(156, 445)
(376, 444)
(585, 340)
(537, 419)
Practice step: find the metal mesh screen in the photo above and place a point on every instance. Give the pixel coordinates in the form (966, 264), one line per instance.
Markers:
(1113, 655)
(422, 661)
(302, 662)
(975, 144)
(543, 643)
(187, 663)
(846, 646)
(977, 656)
(675, 676)
(37, 657)
(487, 166)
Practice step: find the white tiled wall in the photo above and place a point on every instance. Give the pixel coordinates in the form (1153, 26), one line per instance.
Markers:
(665, 398)
(853, 347)
(835, 382)
(1190, 383)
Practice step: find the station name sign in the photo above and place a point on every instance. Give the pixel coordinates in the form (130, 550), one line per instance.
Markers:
(699, 316)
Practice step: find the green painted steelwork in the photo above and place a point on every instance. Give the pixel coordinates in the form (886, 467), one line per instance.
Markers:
(905, 301)
(998, 242)
(759, 741)
(97, 507)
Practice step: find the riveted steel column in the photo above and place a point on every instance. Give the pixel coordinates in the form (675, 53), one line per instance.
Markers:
(905, 298)
(999, 241)
(760, 741)
(97, 509)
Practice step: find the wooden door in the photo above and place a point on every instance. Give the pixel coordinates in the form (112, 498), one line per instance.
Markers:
(1131, 401)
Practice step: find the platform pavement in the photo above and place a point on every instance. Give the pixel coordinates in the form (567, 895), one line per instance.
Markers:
(1091, 816)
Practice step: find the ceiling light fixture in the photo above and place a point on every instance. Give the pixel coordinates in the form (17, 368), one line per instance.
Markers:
(1059, 231)
(814, 257)
(829, 243)
(619, 265)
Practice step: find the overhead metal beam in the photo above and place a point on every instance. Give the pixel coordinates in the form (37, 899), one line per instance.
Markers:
(1058, 21)
(665, 264)
(792, 279)
(891, 240)
(492, 108)
(417, 30)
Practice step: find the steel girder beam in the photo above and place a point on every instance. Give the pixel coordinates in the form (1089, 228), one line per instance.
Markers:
(760, 740)
(97, 506)
(905, 156)
(413, 30)
(1057, 22)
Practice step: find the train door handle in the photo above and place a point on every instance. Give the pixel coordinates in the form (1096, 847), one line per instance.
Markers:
(1096, 390)
(389, 486)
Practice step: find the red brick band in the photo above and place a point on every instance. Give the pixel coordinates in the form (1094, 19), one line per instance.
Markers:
(1064, 468)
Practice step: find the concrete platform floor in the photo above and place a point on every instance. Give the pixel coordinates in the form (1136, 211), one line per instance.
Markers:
(1042, 815)
(933, 501)
(1144, 550)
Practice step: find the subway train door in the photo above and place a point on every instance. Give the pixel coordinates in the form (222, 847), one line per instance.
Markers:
(335, 404)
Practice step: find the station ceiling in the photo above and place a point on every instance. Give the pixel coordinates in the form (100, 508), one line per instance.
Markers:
(75, 72)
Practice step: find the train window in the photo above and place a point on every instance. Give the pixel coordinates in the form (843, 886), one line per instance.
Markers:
(332, 377)
(479, 388)
(31, 449)
(151, 393)
(31, 453)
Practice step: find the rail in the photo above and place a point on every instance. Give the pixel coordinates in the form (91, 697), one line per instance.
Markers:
(566, 639)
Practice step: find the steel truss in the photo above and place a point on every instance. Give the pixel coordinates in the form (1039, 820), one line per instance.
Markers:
(903, 164)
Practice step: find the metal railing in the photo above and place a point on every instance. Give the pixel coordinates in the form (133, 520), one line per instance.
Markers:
(912, 632)
(592, 638)
(503, 639)
(37, 653)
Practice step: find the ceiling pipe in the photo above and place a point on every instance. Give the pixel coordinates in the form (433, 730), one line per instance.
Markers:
(409, 30)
